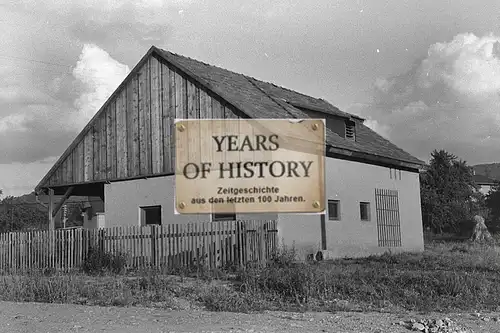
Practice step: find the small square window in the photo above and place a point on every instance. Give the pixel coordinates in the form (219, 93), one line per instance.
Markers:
(150, 215)
(333, 210)
(364, 211)
(224, 217)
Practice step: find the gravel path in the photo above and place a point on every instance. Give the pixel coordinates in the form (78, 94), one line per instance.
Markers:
(38, 317)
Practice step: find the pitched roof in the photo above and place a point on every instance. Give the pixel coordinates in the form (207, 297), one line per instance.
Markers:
(482, 180)
(260, 99)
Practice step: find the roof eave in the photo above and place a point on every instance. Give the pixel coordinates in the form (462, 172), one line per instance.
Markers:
(374, 158)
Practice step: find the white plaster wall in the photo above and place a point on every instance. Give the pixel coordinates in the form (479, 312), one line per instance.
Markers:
(123, 199)
(349, 182)
(352, 182)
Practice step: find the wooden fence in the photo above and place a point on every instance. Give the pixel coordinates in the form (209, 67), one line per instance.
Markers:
(212, 244)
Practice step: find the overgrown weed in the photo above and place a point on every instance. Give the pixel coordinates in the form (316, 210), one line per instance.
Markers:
(447, 276)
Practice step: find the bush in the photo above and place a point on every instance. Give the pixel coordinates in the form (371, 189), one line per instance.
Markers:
(99, 261)
(283, 256)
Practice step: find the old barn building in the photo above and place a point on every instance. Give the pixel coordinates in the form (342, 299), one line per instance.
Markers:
(125, 155)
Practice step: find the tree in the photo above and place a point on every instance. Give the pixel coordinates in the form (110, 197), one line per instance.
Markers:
(493, 204)
(448, 193)
(18, 216)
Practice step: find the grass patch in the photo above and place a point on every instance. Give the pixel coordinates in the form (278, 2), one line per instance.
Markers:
(146, 289)
(447, 276)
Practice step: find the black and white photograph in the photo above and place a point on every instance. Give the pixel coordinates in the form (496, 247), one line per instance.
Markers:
(249, 166)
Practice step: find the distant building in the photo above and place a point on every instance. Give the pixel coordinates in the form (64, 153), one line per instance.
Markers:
(485, 184)
(84, 213)
(126, 156)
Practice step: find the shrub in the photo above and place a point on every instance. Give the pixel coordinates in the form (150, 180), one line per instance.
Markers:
(99, 261)
(283, 256)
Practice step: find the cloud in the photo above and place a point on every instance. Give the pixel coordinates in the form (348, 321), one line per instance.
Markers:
(60, 62)
(126, 27)
(13, 122)
(450, 100)
(383, 84)
(381, 129)
(468, 64)
(100, 75)
(21, 178)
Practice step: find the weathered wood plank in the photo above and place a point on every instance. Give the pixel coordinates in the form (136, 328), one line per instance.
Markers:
(69, 170)
(167, 119)
(172, 115)
(61, 174)
(217, 109)
(180, 100)
(121, 135)
(81, 161)
(133, 126)
(89, 157)
(111, 140)
(74, 154)
(97, 149)
(74, 166)
(218, 113)
(206, 113)
(191, 101)
(102, 139)
(233, 128)
(193, 148)
(180, 97)
(230, 113)
(205, 105)
(55, 177)
(144, 121)
(64, 167)
(156, 117)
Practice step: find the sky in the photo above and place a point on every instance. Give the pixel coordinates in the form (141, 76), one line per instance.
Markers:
(425, 74)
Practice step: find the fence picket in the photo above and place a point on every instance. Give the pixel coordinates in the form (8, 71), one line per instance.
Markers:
(208, 244)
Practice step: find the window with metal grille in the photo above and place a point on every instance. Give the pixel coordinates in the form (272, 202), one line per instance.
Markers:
(364, 211)
(350, 130)
(333, 210)
(388, 221)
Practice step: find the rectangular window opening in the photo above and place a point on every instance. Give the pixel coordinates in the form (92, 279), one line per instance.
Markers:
(150, 215)
(364, 211)
(334, 210)
(224, 217)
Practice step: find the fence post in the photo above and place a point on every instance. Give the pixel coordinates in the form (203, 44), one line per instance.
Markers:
(100, 240)
(153, 246)
(262, 244)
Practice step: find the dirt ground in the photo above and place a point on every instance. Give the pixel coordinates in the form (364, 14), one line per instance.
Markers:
(38, 317)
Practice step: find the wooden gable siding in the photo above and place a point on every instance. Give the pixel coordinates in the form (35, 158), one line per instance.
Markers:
(134, 136)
